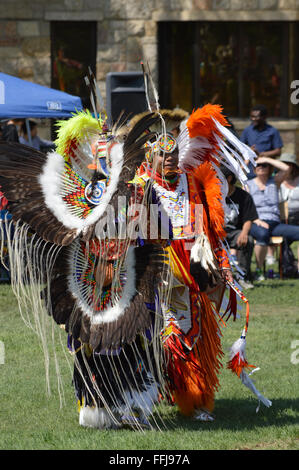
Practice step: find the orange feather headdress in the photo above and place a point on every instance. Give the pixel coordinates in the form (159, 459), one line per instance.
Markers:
(206, 137)
(202, 121)
(209, 186)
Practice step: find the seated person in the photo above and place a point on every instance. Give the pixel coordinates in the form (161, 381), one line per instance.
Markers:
(10, 130)
(240, 214)
(264, 191)
(288, 184)
(36, 141)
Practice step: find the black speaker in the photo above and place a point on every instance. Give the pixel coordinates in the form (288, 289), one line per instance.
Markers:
(125, 94)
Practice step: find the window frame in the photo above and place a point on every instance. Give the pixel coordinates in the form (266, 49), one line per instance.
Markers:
(165, 73)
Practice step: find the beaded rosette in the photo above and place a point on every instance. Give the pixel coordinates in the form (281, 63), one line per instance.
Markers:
(91, 297)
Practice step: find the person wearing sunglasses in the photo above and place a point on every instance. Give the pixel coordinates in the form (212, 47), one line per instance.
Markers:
(264, 192)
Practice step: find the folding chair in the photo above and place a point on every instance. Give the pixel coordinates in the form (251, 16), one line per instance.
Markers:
(277, 243)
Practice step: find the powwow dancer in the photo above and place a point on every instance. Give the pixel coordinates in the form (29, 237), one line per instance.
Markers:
(185, 184)
(119, 294)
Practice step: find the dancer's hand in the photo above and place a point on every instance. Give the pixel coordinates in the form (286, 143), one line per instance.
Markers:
(227, 275)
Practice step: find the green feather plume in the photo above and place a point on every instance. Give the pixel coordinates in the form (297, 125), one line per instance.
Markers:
(77, 127)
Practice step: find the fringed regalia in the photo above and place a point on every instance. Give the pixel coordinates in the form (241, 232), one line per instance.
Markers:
(141, 309)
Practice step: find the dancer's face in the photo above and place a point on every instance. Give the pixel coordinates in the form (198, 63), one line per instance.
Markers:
(166, 164)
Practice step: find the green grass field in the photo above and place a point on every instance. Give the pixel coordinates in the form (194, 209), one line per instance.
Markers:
(29, 419)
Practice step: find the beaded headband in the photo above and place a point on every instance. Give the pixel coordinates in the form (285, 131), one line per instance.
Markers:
(164, 143)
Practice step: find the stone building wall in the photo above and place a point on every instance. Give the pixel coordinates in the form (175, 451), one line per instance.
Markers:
(126, 30)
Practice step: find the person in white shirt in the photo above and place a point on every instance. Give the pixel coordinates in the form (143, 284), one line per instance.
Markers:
(264, 190)
(288, 184)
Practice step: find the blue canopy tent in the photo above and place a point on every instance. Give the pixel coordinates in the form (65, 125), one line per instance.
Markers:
(22, 99)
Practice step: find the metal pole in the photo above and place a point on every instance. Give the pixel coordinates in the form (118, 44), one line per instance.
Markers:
(28, 132)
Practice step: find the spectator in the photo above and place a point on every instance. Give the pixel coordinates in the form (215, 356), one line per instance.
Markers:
(263, 138)
(36, 141)
(288, 183)
(240, 214)
(264, 191)
(10, 131)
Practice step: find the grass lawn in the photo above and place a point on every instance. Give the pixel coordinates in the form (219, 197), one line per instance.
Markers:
(29, 419)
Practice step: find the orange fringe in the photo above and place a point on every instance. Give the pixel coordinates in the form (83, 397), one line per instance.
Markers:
(231, 308)
(237, 364)
(208, 186)
(193, 376)
(182, 260)
(200, 123)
